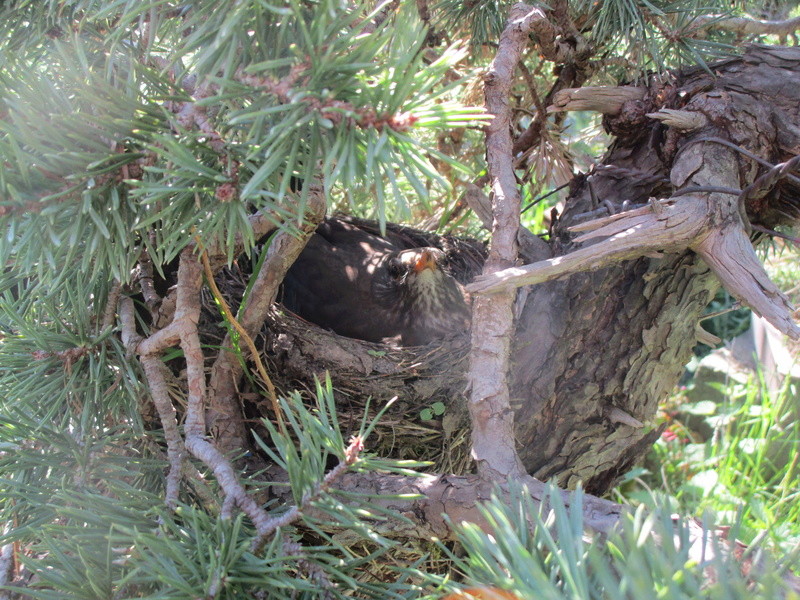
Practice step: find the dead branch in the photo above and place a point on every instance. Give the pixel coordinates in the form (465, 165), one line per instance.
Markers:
(730, 255)
(606, 100)
(706, 337)
(710, 223)
(629, 235)
(746, 26)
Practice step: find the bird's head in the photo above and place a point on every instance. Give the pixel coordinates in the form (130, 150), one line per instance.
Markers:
(409, 263)
(415, 287)
(412, 275)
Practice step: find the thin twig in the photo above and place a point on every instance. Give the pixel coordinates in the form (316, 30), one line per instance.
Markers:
(159, 392)
(783, 236)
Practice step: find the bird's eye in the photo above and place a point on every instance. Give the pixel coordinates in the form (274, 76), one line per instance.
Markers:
(395, 268)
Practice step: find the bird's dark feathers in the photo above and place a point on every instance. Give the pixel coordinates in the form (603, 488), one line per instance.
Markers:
(359, 284)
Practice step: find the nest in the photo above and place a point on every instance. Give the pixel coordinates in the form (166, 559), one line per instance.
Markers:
(427, 420)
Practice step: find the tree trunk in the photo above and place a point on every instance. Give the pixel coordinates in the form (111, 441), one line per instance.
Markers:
(614, 339)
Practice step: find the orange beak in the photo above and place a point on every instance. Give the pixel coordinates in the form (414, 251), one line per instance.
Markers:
(426, 260)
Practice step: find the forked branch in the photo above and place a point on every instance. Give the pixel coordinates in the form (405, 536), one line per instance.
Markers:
(707, 222)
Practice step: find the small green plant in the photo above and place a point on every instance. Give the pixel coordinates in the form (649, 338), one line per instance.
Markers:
(434, 410)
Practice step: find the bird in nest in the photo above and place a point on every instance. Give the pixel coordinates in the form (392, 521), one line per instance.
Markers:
(375, 288)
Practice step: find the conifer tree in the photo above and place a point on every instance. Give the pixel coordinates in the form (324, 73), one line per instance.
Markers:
(152, 148)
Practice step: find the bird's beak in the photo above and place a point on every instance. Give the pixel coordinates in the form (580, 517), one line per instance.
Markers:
(426, 260)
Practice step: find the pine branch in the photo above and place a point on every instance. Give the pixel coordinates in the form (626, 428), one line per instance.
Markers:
(351, 453)
(187, 315)
(153, 368)
(183, 328)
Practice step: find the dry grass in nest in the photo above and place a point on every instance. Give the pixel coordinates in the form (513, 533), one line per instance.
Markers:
(428, 419)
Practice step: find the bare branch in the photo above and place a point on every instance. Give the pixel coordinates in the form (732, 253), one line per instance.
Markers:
(606, 100)
(493, 316)
(746, 26)
(159, 392)
(730, 255)
(617, 415)
(144, 277)
(224, 418)
(626, 236)
(706, 337)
